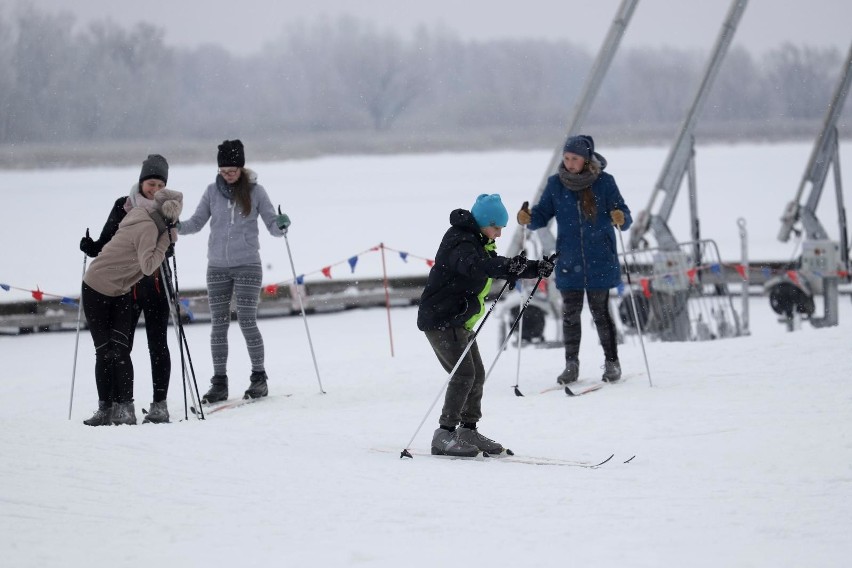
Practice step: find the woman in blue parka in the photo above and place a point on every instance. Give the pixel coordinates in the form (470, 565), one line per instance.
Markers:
(586, 204)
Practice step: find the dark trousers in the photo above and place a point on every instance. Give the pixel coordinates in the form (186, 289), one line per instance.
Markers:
(110, 322)
(149, 297)
(463, 401)
(572, 307)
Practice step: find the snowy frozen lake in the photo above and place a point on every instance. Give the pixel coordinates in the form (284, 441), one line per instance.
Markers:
(743, 447)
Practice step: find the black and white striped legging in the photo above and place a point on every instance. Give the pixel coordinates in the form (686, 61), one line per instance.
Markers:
(243, 282)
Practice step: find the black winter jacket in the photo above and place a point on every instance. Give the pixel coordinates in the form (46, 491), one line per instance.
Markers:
(460, 273)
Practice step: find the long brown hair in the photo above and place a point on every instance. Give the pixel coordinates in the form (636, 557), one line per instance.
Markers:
(587, 196)
(242, 192)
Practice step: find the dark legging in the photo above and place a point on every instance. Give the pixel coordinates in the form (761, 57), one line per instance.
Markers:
(149, 297)
(111, 324)
(572, 306)
(463, 401)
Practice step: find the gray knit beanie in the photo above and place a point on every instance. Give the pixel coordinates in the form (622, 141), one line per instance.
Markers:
(154, 167)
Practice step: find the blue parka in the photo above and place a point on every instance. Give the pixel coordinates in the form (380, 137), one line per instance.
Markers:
(588, 254)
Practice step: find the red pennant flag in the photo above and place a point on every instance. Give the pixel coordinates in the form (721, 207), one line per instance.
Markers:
(646, 287)
(271, 290)
(38, 294)
(691, 273)
(430, 262)
(327, 271)
(742, 271)
(794, 277)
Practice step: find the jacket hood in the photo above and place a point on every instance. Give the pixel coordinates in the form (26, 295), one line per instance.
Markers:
(463, 219)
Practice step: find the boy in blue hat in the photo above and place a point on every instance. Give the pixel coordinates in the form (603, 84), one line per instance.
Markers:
(451, 304)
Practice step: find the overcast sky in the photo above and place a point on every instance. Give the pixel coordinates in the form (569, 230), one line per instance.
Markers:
(243, 26)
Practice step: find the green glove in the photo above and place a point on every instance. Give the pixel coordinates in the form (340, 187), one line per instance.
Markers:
(283, 221)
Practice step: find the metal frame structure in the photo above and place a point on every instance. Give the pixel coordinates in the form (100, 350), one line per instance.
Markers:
(822, 259)
(681, 158)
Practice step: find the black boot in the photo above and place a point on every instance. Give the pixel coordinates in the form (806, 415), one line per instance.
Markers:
(258, 386)
(218, 390)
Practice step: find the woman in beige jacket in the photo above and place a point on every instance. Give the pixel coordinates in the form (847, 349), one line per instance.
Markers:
(137, 249)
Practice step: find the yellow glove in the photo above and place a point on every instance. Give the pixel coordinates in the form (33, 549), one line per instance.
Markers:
(617, 217)
(524, 216)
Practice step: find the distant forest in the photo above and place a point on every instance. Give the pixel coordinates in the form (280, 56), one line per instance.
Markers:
(345, 84)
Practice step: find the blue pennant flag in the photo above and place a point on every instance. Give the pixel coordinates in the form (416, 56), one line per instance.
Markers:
(300, 279)
(5, 287)
(716, 269)
(620, 289)
(185, 303)
(68, 301)
(352, 262)
(403, 256)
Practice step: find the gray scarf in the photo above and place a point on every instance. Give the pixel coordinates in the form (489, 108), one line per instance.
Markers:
(579, 182)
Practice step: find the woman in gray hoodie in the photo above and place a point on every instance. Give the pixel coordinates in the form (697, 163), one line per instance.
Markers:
(137, 249)
(233, 204)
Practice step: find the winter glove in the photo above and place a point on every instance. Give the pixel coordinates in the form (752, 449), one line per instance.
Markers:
(617, 217)
(88, 246)
(517, 264)
(524, 216)
(283, 221)
(545, 268)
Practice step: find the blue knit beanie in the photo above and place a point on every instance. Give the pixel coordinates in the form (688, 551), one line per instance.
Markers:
(581, 145)
(489, 211)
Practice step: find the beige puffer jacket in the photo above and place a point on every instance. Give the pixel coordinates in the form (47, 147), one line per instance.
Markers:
(137, 249)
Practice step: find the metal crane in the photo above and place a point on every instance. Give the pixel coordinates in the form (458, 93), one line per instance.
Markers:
(823, 262)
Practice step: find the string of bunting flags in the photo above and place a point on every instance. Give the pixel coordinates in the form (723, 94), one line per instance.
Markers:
(271, 289)
(38, 295)
(352, 261)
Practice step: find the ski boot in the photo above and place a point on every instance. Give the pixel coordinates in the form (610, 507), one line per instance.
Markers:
(258, 387)
(102, 416)
(124, 413)
(158, 413)
(571, 372)
(612, 371)
(446, 443)
(218, 390)
(485, 445)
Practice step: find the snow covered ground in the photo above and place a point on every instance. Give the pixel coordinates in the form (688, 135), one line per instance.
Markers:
(743, 446)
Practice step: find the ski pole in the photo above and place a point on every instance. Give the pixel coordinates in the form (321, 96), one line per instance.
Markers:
(173, 300)
(405, 452)
(633, 303)
(302, 306)
(520, 326)
(77, 338)
(517, 319)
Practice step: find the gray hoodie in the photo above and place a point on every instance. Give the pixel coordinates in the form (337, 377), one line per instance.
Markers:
(234, 236)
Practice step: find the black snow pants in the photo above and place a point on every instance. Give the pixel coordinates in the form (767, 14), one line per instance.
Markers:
(572, 306)
(149, 297)
(110, 322)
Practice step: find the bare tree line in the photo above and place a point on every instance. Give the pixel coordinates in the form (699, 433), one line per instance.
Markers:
(109, 83)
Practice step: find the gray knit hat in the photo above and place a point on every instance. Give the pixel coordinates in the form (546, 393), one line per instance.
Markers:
(156, 167)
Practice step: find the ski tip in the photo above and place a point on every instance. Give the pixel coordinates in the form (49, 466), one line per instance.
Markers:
(569, 392)
(405, 454)
(509, 452)
(630, 460)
